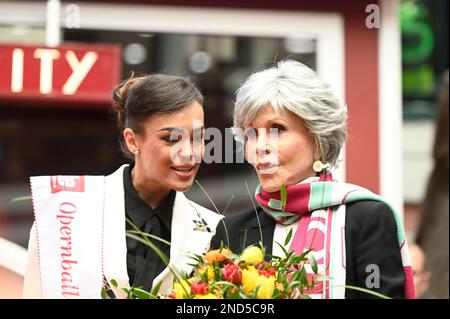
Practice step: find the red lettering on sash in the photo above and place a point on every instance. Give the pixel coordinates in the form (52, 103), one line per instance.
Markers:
(67, 213)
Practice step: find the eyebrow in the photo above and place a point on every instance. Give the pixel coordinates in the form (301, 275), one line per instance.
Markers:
(273, 120)
(178, 128)
(276, 119)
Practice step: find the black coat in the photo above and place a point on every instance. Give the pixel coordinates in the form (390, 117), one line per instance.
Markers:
(370, 238)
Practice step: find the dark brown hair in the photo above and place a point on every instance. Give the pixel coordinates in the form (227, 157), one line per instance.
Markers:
(137, 98)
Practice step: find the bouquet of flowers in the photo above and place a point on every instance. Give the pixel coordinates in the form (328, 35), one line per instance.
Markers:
(221, 274)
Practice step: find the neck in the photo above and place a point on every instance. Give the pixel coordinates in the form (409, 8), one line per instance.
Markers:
(151, 195)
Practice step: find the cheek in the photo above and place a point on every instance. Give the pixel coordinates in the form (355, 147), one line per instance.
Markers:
(157, 153)
(295, 150)
(250, 151)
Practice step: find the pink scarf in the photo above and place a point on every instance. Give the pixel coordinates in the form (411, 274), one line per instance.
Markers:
(319, 208)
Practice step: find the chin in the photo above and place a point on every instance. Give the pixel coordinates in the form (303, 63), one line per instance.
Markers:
(182, 188)
(271, 189)
(270, 186)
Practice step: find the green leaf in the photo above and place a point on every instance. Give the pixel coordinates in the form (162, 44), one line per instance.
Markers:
(288, 237)
(204, 276)
(370, 292)
(104, 293)
(147, 235)
(141, 294)
(128, 292)
(114, 283)
(303, 277)
(282, 248)
(294, 284)
(296, 275)
(156, 289)
(196, 257)
(283, 196)
(313, 264)
(143, 239)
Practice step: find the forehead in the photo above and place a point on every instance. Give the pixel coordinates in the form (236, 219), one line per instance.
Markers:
(268, 113)
(183, 118)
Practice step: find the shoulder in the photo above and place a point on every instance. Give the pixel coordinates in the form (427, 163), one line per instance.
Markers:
(370, 214)
(118, 173)
(369, 207)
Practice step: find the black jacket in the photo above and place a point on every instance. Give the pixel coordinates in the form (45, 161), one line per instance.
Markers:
(370, 238)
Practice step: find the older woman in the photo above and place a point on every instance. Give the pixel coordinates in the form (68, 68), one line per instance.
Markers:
(293, 128)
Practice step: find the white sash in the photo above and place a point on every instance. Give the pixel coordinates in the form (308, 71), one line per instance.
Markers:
(69, 227)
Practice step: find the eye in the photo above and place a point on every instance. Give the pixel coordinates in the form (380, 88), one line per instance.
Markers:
(170, 140)
(280, 128)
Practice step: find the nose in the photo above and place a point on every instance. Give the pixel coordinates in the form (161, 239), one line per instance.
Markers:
(263, 146)
(186, 153)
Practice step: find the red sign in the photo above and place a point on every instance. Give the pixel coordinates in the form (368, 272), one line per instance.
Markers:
(69, 73)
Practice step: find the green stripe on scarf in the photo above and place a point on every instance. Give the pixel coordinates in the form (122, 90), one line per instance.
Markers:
(321, 195)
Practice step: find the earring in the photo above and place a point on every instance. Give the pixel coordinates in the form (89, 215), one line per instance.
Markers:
(136, 152)
(318, 166)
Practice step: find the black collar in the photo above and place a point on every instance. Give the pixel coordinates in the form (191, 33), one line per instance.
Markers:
(139, 211)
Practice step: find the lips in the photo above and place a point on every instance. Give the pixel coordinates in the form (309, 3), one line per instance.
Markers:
(266, 168)
(184, 171)
(183, 168)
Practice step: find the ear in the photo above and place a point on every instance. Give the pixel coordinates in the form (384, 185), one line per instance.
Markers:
(130, 139)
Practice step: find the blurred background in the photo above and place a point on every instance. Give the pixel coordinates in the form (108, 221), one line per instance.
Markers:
(59, 62)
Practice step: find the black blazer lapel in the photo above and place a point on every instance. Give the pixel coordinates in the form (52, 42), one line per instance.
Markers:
(251, 234)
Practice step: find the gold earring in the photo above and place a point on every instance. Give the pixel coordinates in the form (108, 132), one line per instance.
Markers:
(318, 166)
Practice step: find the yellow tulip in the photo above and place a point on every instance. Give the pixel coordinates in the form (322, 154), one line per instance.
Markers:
(180, 293)
(266, 287)
(250, 279)
(252, 255)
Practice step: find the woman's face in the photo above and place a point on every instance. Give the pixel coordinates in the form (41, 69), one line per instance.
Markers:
(285, 157)
(171, 149)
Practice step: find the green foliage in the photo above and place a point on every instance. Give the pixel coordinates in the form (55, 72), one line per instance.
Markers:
(283, 196)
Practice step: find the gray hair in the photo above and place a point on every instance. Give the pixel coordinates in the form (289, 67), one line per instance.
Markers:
(292, 86)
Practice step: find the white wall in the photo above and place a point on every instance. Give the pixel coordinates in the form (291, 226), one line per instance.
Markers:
(418, 139)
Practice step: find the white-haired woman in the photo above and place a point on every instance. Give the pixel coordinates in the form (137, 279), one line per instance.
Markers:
(293, 128)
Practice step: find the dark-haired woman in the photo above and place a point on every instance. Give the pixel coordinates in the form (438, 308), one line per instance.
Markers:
(161, 120)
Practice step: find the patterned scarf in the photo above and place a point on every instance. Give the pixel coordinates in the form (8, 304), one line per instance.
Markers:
(319, 208)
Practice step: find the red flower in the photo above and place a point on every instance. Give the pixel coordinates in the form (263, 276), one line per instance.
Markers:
(199, 288)
(267, 273)
(232, 273)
